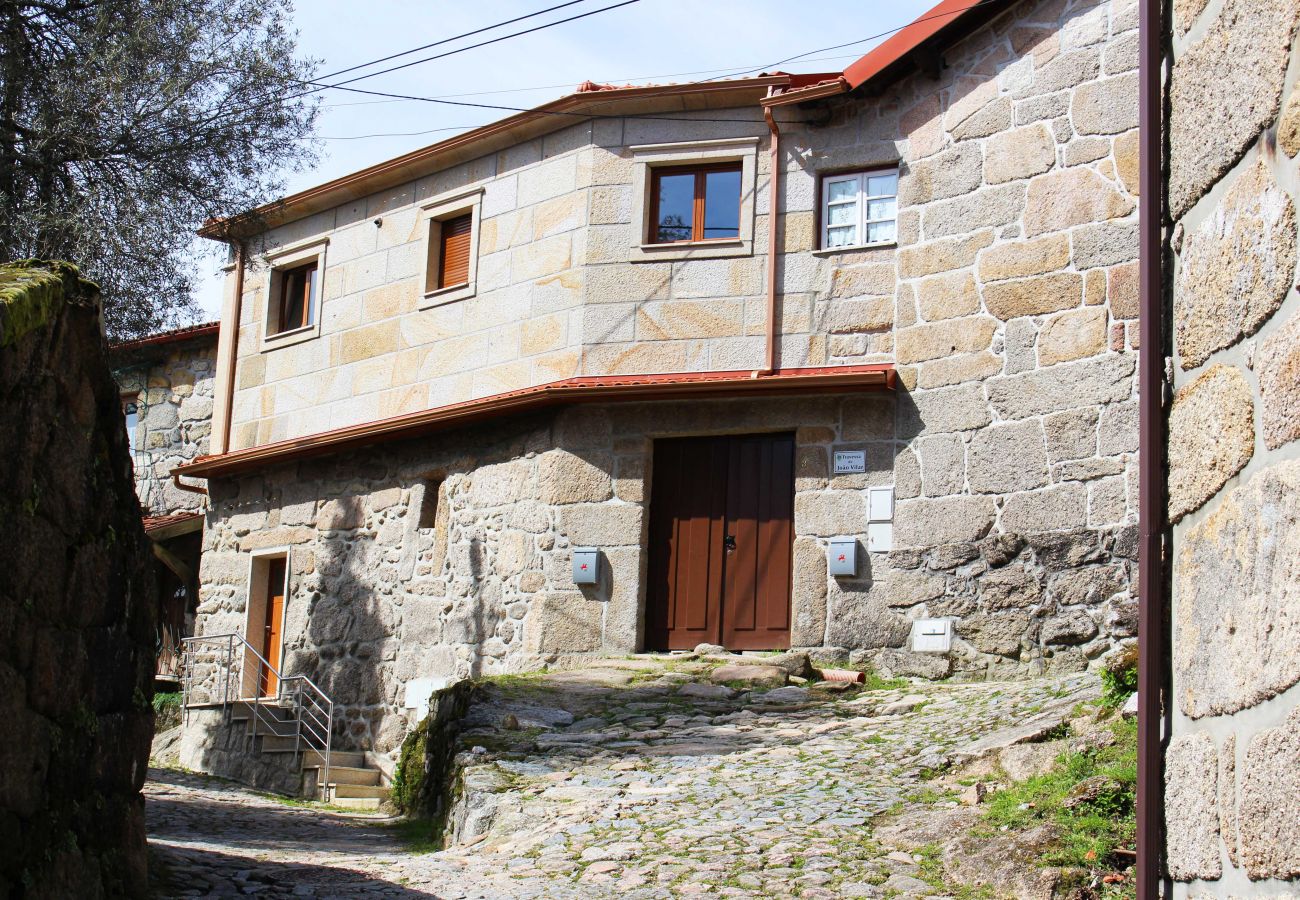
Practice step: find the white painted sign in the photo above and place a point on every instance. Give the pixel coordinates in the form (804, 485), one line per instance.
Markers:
(849, 462)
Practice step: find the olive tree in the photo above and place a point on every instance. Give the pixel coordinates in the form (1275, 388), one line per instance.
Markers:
(125, 124)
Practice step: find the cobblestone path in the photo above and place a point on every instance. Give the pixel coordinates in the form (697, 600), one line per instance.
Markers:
(652, 791)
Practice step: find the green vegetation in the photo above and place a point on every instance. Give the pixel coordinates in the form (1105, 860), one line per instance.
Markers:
(875, 683)
(408, 776)
(417, 836)
(1119, 679)
(1088, 796)
(166, 711)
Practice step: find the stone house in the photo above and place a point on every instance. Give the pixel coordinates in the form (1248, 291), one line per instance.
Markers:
(766, 362)
(1232, 764)
(166, 385)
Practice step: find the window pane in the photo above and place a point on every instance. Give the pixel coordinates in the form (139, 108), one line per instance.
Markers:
(842, 214)
(878, 232)
(841, 237)
(722, 204)
(841, 190)
(131, 410)
(674, 216)
(882, 209)
(878, 185)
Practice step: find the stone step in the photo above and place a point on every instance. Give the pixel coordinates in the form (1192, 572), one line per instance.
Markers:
(352, 775)
(357, 802)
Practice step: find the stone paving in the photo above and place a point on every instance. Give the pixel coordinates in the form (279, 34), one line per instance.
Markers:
(631, 783)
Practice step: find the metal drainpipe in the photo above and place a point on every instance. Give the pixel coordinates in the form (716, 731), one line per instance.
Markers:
(192, 488)
(229, 412)
(1151, 472)
(774, 183)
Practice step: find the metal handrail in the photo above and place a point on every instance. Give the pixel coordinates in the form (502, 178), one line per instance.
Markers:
(294, 688)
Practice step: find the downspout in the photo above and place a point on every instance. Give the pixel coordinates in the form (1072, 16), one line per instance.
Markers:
(1151, 472)
(773, 190)
(228, 413)
(192, 488)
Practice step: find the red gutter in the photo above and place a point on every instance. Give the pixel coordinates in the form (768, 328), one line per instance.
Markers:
(175, 336)
(1151, 467)
(585, 389)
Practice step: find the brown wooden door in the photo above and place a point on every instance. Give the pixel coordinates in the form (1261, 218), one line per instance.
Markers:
(721, 527)
(271, 636)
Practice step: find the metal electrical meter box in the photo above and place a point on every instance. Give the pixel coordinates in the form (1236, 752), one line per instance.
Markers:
(842, 558)
(586, 565)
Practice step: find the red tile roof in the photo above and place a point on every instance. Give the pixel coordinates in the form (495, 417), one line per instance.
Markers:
(174, 336)
(160, 527)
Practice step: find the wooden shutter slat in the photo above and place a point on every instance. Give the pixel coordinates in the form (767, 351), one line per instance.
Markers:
(453, 263)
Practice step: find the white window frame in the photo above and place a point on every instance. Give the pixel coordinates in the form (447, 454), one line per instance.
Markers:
(648, 157)
(863, 200)
(277, 263)
(433, 213)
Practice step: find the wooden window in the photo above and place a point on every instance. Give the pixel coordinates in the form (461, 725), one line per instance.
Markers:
(695, 203)
(454, 251)
(860, 209)
(296, 297)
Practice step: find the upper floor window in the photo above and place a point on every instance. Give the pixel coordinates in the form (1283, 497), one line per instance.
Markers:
(695, 203)
(451, 223)
(454, 252)
(296, 301)
(860, 209)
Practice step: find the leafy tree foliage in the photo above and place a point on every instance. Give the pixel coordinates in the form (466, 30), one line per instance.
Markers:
(125, 124)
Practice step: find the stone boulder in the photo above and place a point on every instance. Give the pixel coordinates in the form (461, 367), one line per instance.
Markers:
(77, 602)
(757, 676)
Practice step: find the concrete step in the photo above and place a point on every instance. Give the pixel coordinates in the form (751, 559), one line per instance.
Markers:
(357, 802)
(356, 791)
(353, 758)
(352, 775)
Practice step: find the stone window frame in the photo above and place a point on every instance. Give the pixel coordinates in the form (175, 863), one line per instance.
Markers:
(277, 262)
(647, 157)
(255, 596)
(860, 172)
(450, 205)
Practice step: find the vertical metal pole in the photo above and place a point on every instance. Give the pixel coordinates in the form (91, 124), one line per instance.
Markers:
(329, 744)
(1151, 424)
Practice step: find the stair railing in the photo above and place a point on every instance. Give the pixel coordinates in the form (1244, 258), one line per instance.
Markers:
(209, 664)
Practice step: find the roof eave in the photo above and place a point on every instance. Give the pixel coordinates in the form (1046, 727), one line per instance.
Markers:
(572, 391)
(431, 158)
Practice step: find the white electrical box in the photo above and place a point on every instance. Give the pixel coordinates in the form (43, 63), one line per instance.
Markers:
(880, 537)
(880, 504)
(842, 557)
(418, 692)
(586, 565)
(932, 635)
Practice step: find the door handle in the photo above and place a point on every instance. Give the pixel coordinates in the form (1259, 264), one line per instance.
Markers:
(729, 543)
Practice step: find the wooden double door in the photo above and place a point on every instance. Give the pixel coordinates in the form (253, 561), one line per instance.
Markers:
(721, 542)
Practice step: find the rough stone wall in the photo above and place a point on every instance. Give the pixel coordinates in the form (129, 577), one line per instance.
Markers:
(76, 603)
(1233, 763)
(376, 601)
(174, 421)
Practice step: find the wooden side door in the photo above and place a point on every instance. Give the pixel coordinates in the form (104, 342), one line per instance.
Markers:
(721, 526)
(687, 506)
(271, 631)
(758, 543)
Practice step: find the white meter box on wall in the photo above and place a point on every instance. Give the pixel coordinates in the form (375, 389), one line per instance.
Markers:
(880, 519)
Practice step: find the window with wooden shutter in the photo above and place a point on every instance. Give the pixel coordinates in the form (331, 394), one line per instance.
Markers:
(454, 251)
(297, 292)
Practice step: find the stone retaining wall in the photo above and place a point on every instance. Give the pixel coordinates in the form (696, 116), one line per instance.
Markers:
(1233, 763)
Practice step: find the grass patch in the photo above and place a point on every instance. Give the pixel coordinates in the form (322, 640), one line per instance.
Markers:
(417, 836)
(1119, 678)
(1090, 831)
(874, 682)
(166, 710)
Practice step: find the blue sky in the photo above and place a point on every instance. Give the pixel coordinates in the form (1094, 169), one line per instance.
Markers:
(647, 41)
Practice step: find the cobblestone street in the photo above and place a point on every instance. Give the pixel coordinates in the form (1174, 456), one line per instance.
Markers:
(660, 790)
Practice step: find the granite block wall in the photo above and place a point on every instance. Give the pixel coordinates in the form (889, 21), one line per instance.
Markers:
(1233, 762)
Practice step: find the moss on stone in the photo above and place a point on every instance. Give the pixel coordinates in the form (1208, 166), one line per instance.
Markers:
(32, 290)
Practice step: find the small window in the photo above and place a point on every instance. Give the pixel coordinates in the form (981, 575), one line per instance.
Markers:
(429, 503)
(454, 251)
(700, 203)
(296, 301)
(860, 209)
(131, 411)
